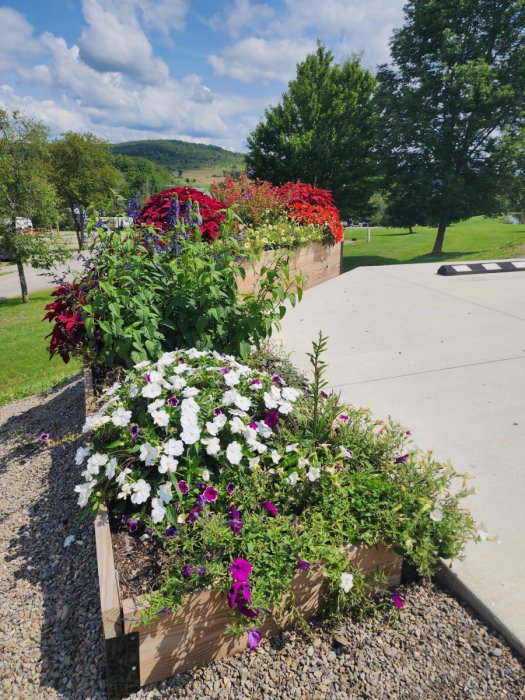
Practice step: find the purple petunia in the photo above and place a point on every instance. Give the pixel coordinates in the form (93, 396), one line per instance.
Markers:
(165, 611)
(240, 569)
(171, 531)
(173, 401)
(277, 379)
(201, 571)
(271, 418)
(397, 600)
(225, 370)
(193, 515)
(186, 570)
(134, 430)
(254, 637)
(240, 596)
(343, 417)
(183, 487)
(211, 494)
(43, 437)
(272, 510)
(401, 460)
(235, 523)
(230, 488)
(208, 556)
(133, 525)
(217, 411)
(302, 564)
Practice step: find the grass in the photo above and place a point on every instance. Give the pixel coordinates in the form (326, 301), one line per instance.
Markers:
(479, 238)
(26, 368)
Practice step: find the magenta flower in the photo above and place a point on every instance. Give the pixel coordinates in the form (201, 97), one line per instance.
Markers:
(230, 488)
(256, 382)
(211, 494)
(271, 419)
(401, 460)
(254, 425)
(186, 570)
(241, 569)
(343, 416)
(302, 565)
(277, 379)
(173, 401)
(408, 432)
(272, 510)
(183, 487)
(235, 523)
(323, 394)
(147, 378)
(397, 600)
(225, 370)
(254, 637)
(43, 437)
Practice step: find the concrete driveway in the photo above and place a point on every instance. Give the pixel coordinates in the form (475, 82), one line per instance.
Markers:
(36, 279)
(446, 357)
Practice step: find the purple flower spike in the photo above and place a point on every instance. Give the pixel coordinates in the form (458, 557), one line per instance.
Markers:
(183, 487)
(43, 437)
(211, 494)
(401, 460)
(397, 600)
(254, 637)
(271, 419)
(272, 510)
(302, 565)
(186, 570)
(230, 488)
(173, 401)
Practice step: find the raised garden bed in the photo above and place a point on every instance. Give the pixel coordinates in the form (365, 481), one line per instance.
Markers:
(197, 632)
(317, 262)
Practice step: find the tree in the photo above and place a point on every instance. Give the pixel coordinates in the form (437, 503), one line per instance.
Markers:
(83, 175)
(451, 106)
(25, 193)
(323, 132)
(141, 178)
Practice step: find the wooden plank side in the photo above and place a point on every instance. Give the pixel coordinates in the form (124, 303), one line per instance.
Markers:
(197, 633)
(107, 577)
(89, 394)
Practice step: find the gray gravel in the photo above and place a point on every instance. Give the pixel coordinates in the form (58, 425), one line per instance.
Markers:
(50, 636)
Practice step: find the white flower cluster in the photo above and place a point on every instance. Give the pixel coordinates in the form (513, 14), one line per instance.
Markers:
(196, 403)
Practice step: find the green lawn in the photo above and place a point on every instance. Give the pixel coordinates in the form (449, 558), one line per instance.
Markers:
(25, 368)
(477, 238)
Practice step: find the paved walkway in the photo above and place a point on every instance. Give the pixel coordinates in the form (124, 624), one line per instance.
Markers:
(446, 357)
(36, 279)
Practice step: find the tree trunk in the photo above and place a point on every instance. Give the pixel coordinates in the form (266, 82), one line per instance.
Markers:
(23, 283)
(438, 243)
(77, 230)
(410, 230)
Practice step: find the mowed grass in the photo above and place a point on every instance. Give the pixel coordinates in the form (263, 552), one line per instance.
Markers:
(479, 238)
(25, 368)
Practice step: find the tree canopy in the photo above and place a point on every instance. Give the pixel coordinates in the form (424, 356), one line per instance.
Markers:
(141, 177)
(323, 132)
(450, 108)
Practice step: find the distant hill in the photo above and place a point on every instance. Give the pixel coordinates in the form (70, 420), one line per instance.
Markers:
(174, 155)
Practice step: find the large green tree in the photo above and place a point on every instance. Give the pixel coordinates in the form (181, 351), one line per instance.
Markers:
(450, 107)
(26, 193)
(141, 178)
(322, 132)
(83, 175)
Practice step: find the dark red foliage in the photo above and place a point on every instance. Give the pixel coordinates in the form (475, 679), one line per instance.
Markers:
(159, 211)
(68, 332)
(302, 193)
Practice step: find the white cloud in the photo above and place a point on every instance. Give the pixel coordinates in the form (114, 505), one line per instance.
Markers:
(242, 14)
(17, 39)
(163, 15)
(115, 42)
(256, 58)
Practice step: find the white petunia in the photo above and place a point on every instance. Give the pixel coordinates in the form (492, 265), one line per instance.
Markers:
(264, 430)
(194, 354)
(121, 417)
(229, 397)
(96, 461)
(126, 490)
(141, 492)
(113, 389)
(142, 365)
(237, 412)
(213, 446)
(189, 406)
(168, 464)
(346, 454)
(292, 478)
(81, 455)
(254, 462)
(121, 478)
(151, 390)
(292, 448)
(231, 379)
(161, 418)
(110, 468)
(174, 448)
(148, 453)
(234, 453)
(258, 446)
(272, 397)
(276, 457)
(290, 394)
(313, 473)
(236, 425)
(436, 515)
(95, 422)
(250, 435)
(168, 358)
(190, 391)
(133, 390)
(155, 405)
(164, 492)
(84, 492)
(302, 462)
(190, 435)
(285, 408)
(347, 582)
(177, 383)
(156, 377)
(205, 475)
(158, 511)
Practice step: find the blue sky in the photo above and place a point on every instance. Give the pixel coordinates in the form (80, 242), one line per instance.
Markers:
(198, 70)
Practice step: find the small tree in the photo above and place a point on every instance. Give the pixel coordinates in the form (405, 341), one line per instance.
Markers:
(25, 192)
(83, 175)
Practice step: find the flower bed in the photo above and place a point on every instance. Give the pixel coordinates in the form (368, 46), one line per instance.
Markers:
(266, 501)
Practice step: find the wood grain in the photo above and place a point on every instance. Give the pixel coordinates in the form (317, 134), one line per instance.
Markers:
(197, 633)
(317, 262)
(107, 577)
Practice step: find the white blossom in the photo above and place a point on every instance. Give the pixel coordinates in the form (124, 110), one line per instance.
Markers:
(94, 423)
(347, 582)
(168, 358)
(156, 377)
(190, 435)
(155, 405)
(121, 417)
(96, 461)
(302, 462)
(157, 511)
(213, 446)
(141, 491)
(177, 383)
(121, 478)
(292, 448)
(84, 492)
(81, 455)
(110, 468)
(126, 490)
(313, 473)
(229, 397)
(148, 453)
(231, 379)
(258, 446)
(264, 430)
(205, 475)
(113, 389)
(234, 453)
(161, 418)
(133, 390)
(436, 515)
(142, 365)
(276, 457)
(272, 397)
(151, 390)
(168, 464)
(290, 394)
(292, 478)
(174, 448)
(236, 425)
(190, 391)
(346, 454)
(164, 492)
(254, 462)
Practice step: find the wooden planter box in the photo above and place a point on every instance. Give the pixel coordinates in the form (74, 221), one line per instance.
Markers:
(317, 262)
(196, 633)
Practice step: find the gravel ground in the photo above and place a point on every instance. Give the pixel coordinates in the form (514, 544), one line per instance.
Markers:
(50, 636)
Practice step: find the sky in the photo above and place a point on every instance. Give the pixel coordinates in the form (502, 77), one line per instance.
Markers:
(196, 70)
